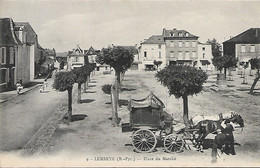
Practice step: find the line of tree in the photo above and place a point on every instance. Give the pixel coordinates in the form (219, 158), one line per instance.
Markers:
(120, 59)
(182, 81)
(64, 81)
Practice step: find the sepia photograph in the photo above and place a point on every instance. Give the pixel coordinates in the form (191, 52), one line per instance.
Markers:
(129, 83)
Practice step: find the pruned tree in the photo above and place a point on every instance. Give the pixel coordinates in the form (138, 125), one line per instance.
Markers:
(120, 59)
(225, 62)
(81, 76)
(64, 81)
(255, 64)
(230, 61)
(157, 63)
(91, 68)
(182, 81)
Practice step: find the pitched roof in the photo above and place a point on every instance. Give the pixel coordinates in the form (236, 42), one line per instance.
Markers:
(7, 34)
(76, 52)
(178, 33)
(90, 51)
(132, 49)
(251, 36)
(155, 39)
(63, 54)
(50, 52)
(31, 36)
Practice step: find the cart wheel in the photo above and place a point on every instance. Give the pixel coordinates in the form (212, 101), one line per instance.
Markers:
(173, 143)
(144, 140)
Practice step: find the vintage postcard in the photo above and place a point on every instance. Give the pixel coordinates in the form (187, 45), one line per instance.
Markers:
(129, 83)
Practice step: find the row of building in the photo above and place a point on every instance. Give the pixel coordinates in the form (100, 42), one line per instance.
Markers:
(181, 47)
(21, 56)
(174, 47)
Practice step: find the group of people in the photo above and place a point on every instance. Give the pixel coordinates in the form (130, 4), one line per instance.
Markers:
(19, 87)
(224, 138)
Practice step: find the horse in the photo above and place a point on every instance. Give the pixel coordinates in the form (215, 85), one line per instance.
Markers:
(206, 127)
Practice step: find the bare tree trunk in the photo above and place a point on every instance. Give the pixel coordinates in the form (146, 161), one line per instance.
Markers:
(70, 104)
(117, 84)
(79, 92)
(225, 72)
(185, 111)
(254, 83)
(85, 87)
(114, 102)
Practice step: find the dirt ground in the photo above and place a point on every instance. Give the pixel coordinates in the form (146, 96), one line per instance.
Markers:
(90, 138)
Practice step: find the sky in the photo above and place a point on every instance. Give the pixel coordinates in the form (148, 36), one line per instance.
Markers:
(64, 24)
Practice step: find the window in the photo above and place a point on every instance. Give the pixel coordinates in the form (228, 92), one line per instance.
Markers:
(186, 44)
(159, 54)
(252, 48)
(203, 55)
(193, 54)
(243, 48)
(187, 34)
(180, 54)
(171, 34)
(180, 34)
(194, 44)
(187, 55)
(145, 54)
(203, 48)
(180, 43)
(171, 53)
(159, 46)
(3, 55)
(77, 59)
(11, 55)
(171, 44)
(3, 76)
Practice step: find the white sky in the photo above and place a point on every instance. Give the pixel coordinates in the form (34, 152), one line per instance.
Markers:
(63, 24)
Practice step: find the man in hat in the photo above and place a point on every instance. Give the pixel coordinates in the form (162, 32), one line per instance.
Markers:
(227, 129)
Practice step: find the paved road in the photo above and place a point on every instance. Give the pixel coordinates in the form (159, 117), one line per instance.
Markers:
(23, 115)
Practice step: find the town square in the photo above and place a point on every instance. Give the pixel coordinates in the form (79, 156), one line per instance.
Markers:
(129, 83)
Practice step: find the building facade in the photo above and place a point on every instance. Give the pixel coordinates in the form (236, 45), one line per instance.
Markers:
(175, 47)
(9, 44)
(204, 59)
(25, 30)
(153, 49)
(75, 58)
(244, 46)
(181, 46)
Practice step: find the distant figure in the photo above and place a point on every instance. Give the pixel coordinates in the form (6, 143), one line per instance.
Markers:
(19, 87)
(41, 89)
(45, 83)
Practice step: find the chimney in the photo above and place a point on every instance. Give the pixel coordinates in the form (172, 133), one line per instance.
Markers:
(174, 29)
(22, 34)
(163, 33)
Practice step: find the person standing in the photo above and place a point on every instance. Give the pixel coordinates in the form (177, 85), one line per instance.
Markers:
(227, 129)
(45, 83)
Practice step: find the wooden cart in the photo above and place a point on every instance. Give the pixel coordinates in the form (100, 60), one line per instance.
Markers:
(146, 118)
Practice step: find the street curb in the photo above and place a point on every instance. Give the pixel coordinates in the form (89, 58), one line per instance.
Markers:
(27, 90)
